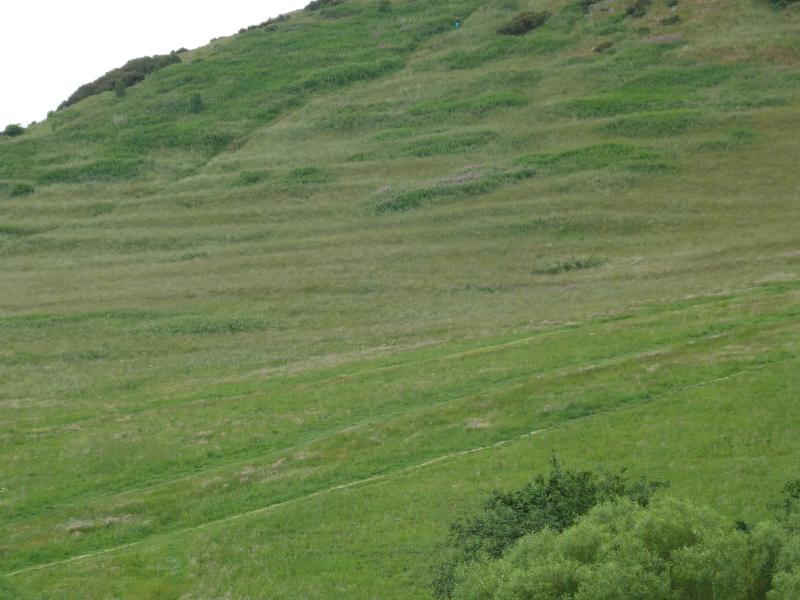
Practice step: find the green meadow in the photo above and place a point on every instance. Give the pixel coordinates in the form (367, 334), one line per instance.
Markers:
(270, 343)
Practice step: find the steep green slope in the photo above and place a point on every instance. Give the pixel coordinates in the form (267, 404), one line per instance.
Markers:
(382, 253)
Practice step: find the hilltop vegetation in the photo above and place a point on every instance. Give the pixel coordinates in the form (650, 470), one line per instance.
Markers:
(278, 313)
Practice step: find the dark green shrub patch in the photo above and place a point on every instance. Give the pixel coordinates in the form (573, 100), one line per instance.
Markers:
(129, 74)
(196, 104)
(13, 130)
(524, 22)
(551, 503)
(573, 264)
(21, 189)
(318, 4)
(19, 231)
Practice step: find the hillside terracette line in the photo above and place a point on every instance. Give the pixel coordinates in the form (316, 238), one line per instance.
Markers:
(599, 363)
(367, 480)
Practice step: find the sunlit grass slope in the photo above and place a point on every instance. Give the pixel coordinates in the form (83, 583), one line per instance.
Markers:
(268, 348)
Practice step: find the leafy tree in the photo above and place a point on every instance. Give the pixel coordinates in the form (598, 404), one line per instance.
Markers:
(553, 503)
(667, 550)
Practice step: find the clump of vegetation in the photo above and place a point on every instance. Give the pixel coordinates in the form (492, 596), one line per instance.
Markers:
(251, 178)
(782, 3)
(129, 74)
(671, 20)
(308, 176)
(592, 536)
(317, 4)
(119, 88)
(21, 189)
(603, 46)
(668, 550)
(638, 8)
(16, 188)
(13, 130)
(573, 264)
(196, 104)
(524, 22)
(551, 503)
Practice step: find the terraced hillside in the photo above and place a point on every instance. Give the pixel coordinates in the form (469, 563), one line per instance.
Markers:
(277, 313)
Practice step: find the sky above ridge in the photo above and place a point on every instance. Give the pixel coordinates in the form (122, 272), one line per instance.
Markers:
(50, 47)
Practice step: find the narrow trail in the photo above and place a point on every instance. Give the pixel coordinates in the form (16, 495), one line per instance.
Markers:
(374, 478)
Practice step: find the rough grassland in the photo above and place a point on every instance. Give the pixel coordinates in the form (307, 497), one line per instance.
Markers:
(268, 350)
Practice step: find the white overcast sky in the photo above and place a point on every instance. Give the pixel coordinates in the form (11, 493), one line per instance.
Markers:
(50, 47)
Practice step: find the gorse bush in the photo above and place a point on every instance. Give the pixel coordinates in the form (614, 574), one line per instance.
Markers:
(129, 74)
(551, 503)
(14, 130)
(524, 22)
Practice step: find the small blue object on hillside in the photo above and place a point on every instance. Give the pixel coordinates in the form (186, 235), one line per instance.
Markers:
(457, 23)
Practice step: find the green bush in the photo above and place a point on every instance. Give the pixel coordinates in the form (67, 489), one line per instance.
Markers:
(317, 4)
(668, 550)
(21, 189)
(196, 104)
(119, 88)
(130, 74)
(14, 130)
(524, 22)
(551, 503)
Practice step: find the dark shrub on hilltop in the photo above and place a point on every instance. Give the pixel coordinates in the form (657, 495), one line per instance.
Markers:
(129, 74)
(317, 4)
(524, 22)
(554, 502)
(14, 130)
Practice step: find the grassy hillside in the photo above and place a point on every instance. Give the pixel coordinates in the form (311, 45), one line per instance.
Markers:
(267, 345)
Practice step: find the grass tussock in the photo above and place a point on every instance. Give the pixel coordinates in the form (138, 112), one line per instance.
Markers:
(524, 22)
(566, 266)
